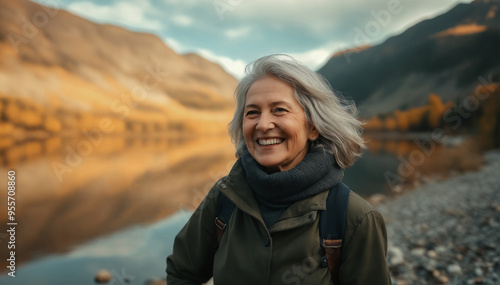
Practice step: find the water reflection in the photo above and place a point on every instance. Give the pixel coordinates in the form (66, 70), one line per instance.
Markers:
(397, 163)
(137, 254)
(119, 183)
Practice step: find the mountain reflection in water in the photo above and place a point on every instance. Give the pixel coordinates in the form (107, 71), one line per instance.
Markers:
(138, 182)
(132, 256)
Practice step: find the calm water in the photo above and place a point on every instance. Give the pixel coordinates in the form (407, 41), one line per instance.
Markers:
(137, 254)
(118, 204)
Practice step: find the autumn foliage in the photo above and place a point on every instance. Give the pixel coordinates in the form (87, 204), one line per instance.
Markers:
(478, 113)
(414, 119)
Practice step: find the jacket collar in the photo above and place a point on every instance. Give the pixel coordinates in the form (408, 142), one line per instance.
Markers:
(237, 189)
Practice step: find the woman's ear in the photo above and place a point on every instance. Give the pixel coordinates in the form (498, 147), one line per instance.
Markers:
(313, 133)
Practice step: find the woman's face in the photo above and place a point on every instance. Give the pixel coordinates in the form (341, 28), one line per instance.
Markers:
(274, 125)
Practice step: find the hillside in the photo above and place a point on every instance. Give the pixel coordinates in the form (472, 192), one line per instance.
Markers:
(448, 55)
(60, 73)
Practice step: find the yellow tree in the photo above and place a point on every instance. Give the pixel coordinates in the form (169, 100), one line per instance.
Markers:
(436, 110)
(374, 124)
(390, 123)
(401, 120)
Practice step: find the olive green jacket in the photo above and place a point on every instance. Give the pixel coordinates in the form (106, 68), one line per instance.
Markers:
(288, 252)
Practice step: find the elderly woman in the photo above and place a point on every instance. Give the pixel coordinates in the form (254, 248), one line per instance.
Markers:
(293, 138)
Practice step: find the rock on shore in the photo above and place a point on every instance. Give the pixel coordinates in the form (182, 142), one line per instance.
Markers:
(447, 232)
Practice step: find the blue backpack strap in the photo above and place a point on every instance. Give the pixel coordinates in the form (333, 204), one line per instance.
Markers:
(225, 208)
(332, 227)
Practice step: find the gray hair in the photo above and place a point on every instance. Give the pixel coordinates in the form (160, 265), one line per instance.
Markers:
(332, 115)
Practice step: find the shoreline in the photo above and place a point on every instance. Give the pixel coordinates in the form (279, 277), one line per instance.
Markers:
(446, 231)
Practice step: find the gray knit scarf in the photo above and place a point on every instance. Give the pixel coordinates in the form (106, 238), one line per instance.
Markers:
(316, 173)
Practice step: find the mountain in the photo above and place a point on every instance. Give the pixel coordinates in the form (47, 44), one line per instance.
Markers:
(62, 73)
(448, 55)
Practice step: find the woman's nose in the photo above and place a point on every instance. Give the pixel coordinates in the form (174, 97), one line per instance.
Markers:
(266, 122)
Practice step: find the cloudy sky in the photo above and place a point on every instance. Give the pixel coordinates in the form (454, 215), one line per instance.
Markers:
(235, 32)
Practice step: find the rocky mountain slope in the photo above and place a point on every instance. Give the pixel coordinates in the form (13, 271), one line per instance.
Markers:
(60, 73)
(448, 55)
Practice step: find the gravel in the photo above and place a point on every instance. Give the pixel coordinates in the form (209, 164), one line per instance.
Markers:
(447, 232)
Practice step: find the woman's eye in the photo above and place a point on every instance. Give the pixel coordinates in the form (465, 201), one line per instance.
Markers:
(251, 112)
(280, 110)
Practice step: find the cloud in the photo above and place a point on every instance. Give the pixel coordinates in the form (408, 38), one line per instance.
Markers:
(175, 45)
(316, 58)
(236, 67)
(181, 20)
(123, 13)
(238, 32)
(315, 16)
(319, 18)
(313, 58)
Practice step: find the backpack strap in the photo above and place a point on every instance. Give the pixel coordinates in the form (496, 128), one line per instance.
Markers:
(332, 227)
(225, 208)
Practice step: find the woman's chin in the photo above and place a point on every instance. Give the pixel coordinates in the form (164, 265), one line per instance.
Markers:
(271, 170)
(273, 166)
(269, 166)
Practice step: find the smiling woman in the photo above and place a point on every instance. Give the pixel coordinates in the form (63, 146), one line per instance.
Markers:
(332, 116)
(274, 125)
(293, 139)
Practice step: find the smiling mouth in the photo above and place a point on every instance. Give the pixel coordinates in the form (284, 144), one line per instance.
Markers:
(272, 141)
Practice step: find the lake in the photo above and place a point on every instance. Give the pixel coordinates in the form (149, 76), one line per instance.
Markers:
(117, 203)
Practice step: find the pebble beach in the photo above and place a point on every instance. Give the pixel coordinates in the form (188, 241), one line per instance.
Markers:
(447, 232)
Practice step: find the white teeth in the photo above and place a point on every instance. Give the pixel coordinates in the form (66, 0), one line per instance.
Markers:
(269, 141)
